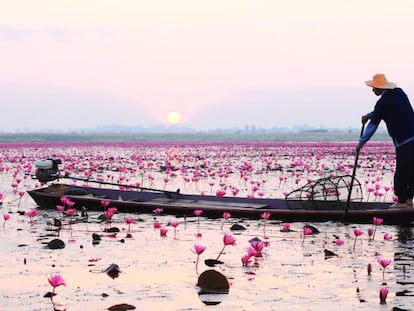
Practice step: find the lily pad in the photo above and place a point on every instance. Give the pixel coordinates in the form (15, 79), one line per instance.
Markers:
(113, 271)
(212, 262)
(237, 227)
(121, 307)
(213, 281)
(56, 244)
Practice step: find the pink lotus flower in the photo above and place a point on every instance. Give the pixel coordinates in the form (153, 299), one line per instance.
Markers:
(198, 212)
(174, 223)
(377, 221)
(285, 227)
(251, 251)
(163, 232)
(370, 232)
(158, 211)
(387, 237)
(199, 249)
(226, 216)
(55, 280)
(129, 221)
(70, 203)
(220, 193)
(21, 194)
(110, 213)
(112, 210)
(339, 242)
(265, 215)
(357, 233)
(246, 259)
(156, 225)
(228, 239)
(31, 213)
(306, 231)
(261, 193)
(60, 208)
(383, 295)
(71, 211)
(384, 263)
(64, 199)
(258, 248)
(6, 217)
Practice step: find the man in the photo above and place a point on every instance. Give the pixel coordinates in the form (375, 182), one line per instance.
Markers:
(395, 109)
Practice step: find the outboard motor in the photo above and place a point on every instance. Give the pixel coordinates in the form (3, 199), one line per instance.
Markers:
(47, 170)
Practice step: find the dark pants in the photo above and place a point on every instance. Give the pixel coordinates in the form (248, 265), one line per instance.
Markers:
(404, 172)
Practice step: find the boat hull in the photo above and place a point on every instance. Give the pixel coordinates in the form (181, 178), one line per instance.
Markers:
(133, 201)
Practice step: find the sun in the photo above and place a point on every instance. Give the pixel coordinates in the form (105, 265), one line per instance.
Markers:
(174, 117)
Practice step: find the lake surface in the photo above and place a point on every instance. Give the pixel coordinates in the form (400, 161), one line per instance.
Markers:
(295, 272)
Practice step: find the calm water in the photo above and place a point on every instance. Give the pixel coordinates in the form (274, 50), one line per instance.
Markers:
(159, 273)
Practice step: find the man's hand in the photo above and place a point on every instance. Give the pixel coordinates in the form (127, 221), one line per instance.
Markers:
(364, 119)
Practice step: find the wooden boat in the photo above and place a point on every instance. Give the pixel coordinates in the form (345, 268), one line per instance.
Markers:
(310, 208)
(325, 199)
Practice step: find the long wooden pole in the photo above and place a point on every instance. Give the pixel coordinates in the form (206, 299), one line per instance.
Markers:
(167, 193)
(348, 201)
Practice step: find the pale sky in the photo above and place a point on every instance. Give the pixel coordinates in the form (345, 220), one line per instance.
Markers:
(218, 63)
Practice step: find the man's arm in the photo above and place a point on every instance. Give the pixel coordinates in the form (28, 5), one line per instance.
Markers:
(369, 131)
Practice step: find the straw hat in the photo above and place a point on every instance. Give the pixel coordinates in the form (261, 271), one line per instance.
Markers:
(379, 81)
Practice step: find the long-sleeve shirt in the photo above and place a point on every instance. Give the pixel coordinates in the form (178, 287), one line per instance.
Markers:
(395, 109)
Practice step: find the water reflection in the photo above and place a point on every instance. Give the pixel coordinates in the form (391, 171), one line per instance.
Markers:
(404, 269)
(212, 287)
(211, 299)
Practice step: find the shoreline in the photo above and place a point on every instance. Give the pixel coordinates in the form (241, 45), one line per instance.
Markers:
(308, 136)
